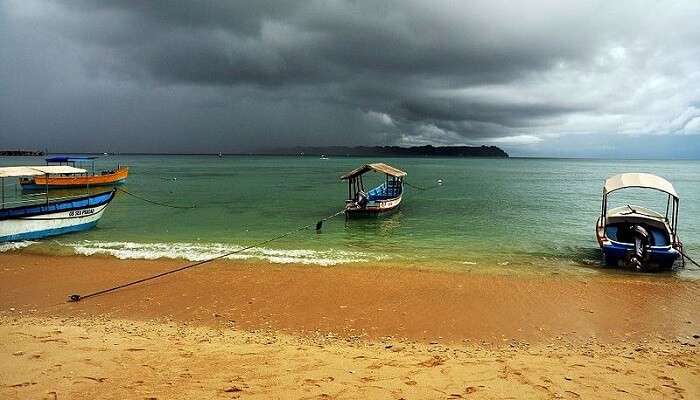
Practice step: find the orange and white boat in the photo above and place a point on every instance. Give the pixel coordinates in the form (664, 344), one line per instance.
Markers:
(75, 180)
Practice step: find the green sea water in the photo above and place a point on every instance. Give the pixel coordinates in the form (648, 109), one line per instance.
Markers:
(498, 215)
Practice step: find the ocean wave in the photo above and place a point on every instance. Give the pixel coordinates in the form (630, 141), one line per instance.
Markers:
(204, 251)
(14, 245)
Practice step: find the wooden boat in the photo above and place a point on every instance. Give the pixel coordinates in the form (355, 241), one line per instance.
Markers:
(377, 201)
(634, 236)
(40, 218)
(101, 178)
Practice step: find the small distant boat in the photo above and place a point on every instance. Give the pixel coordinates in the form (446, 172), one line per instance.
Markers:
(43, 217)
(220, 155)
(323, 157)
(382, 199)
(637, 237)
(75, 180)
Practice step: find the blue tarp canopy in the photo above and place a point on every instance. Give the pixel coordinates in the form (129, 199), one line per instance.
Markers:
(69, 159)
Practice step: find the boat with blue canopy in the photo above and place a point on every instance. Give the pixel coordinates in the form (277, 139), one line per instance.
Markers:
(379, 200)
(40, 217)
(638, 237)
(114, 176)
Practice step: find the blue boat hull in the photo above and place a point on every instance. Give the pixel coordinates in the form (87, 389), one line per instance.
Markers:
(48, 232)
(616, 254)
(52, 219)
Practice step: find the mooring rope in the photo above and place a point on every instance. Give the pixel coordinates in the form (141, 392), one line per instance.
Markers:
(153, 202)
(680, 250)
(439, 184)
(319, 224)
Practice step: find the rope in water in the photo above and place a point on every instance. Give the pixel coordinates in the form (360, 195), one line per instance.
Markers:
(152, 201)
(439, 184)
(319, 224)
(687, 257)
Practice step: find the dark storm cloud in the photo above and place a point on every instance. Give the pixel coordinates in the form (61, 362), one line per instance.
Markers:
(217, 43)
(510, 115)
(202, 75)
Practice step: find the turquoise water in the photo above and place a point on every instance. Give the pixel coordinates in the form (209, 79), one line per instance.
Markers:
(490, 214)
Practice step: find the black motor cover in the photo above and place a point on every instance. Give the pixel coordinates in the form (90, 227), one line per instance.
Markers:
(641, 241)
(361, 199)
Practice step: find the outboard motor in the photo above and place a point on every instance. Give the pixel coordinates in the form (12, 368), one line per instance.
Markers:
(641, 241)
(361, 199)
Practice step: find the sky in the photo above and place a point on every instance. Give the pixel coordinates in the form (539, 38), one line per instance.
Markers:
(551, 78)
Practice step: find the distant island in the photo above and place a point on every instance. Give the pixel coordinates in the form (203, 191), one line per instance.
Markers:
(21, 153)
(415, 151)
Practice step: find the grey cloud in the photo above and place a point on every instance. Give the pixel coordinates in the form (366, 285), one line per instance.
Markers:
(508, 115)
(248, 74)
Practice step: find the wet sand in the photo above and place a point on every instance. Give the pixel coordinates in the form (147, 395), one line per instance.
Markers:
(283, 331)
(358, 301)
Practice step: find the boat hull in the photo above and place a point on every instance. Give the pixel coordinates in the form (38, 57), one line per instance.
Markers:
(54, 182)
(616, 254)
(56, 218)
(383, 207)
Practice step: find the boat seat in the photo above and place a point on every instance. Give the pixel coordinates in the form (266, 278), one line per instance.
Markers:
(383, 192)
(619, 233)
(659, 238)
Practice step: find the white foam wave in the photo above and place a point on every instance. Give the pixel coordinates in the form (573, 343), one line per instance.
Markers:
(203, 251)
(14, 245)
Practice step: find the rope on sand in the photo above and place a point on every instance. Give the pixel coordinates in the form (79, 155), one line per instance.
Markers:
(319, 224)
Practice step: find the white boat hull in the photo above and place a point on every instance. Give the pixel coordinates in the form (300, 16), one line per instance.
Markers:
(39, 226)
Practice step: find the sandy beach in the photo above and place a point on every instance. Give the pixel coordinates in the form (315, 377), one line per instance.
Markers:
(251, 330)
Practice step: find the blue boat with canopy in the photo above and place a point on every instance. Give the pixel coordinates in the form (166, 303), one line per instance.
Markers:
(638, 237)
(75, 180)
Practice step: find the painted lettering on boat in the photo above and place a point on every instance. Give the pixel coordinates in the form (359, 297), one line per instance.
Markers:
(388, 204)
(78, 213)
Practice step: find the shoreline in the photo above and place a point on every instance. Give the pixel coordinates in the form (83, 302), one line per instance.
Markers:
(357, 301)
(282, 257)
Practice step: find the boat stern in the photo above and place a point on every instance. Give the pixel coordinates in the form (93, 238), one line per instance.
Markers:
(616, 254)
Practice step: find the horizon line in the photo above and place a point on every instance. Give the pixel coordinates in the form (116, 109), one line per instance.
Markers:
(358, 156)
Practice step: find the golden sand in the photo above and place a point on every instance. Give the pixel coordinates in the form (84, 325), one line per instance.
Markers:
(248, 330)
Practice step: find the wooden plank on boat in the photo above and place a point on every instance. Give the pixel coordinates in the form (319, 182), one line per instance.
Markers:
(379, 167)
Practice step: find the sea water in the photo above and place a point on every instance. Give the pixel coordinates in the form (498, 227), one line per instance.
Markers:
(497, 215)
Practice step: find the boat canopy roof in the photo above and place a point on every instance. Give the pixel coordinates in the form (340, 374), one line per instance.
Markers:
(639, 180)
(69, 158)
(16, 172)
(378, 167)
